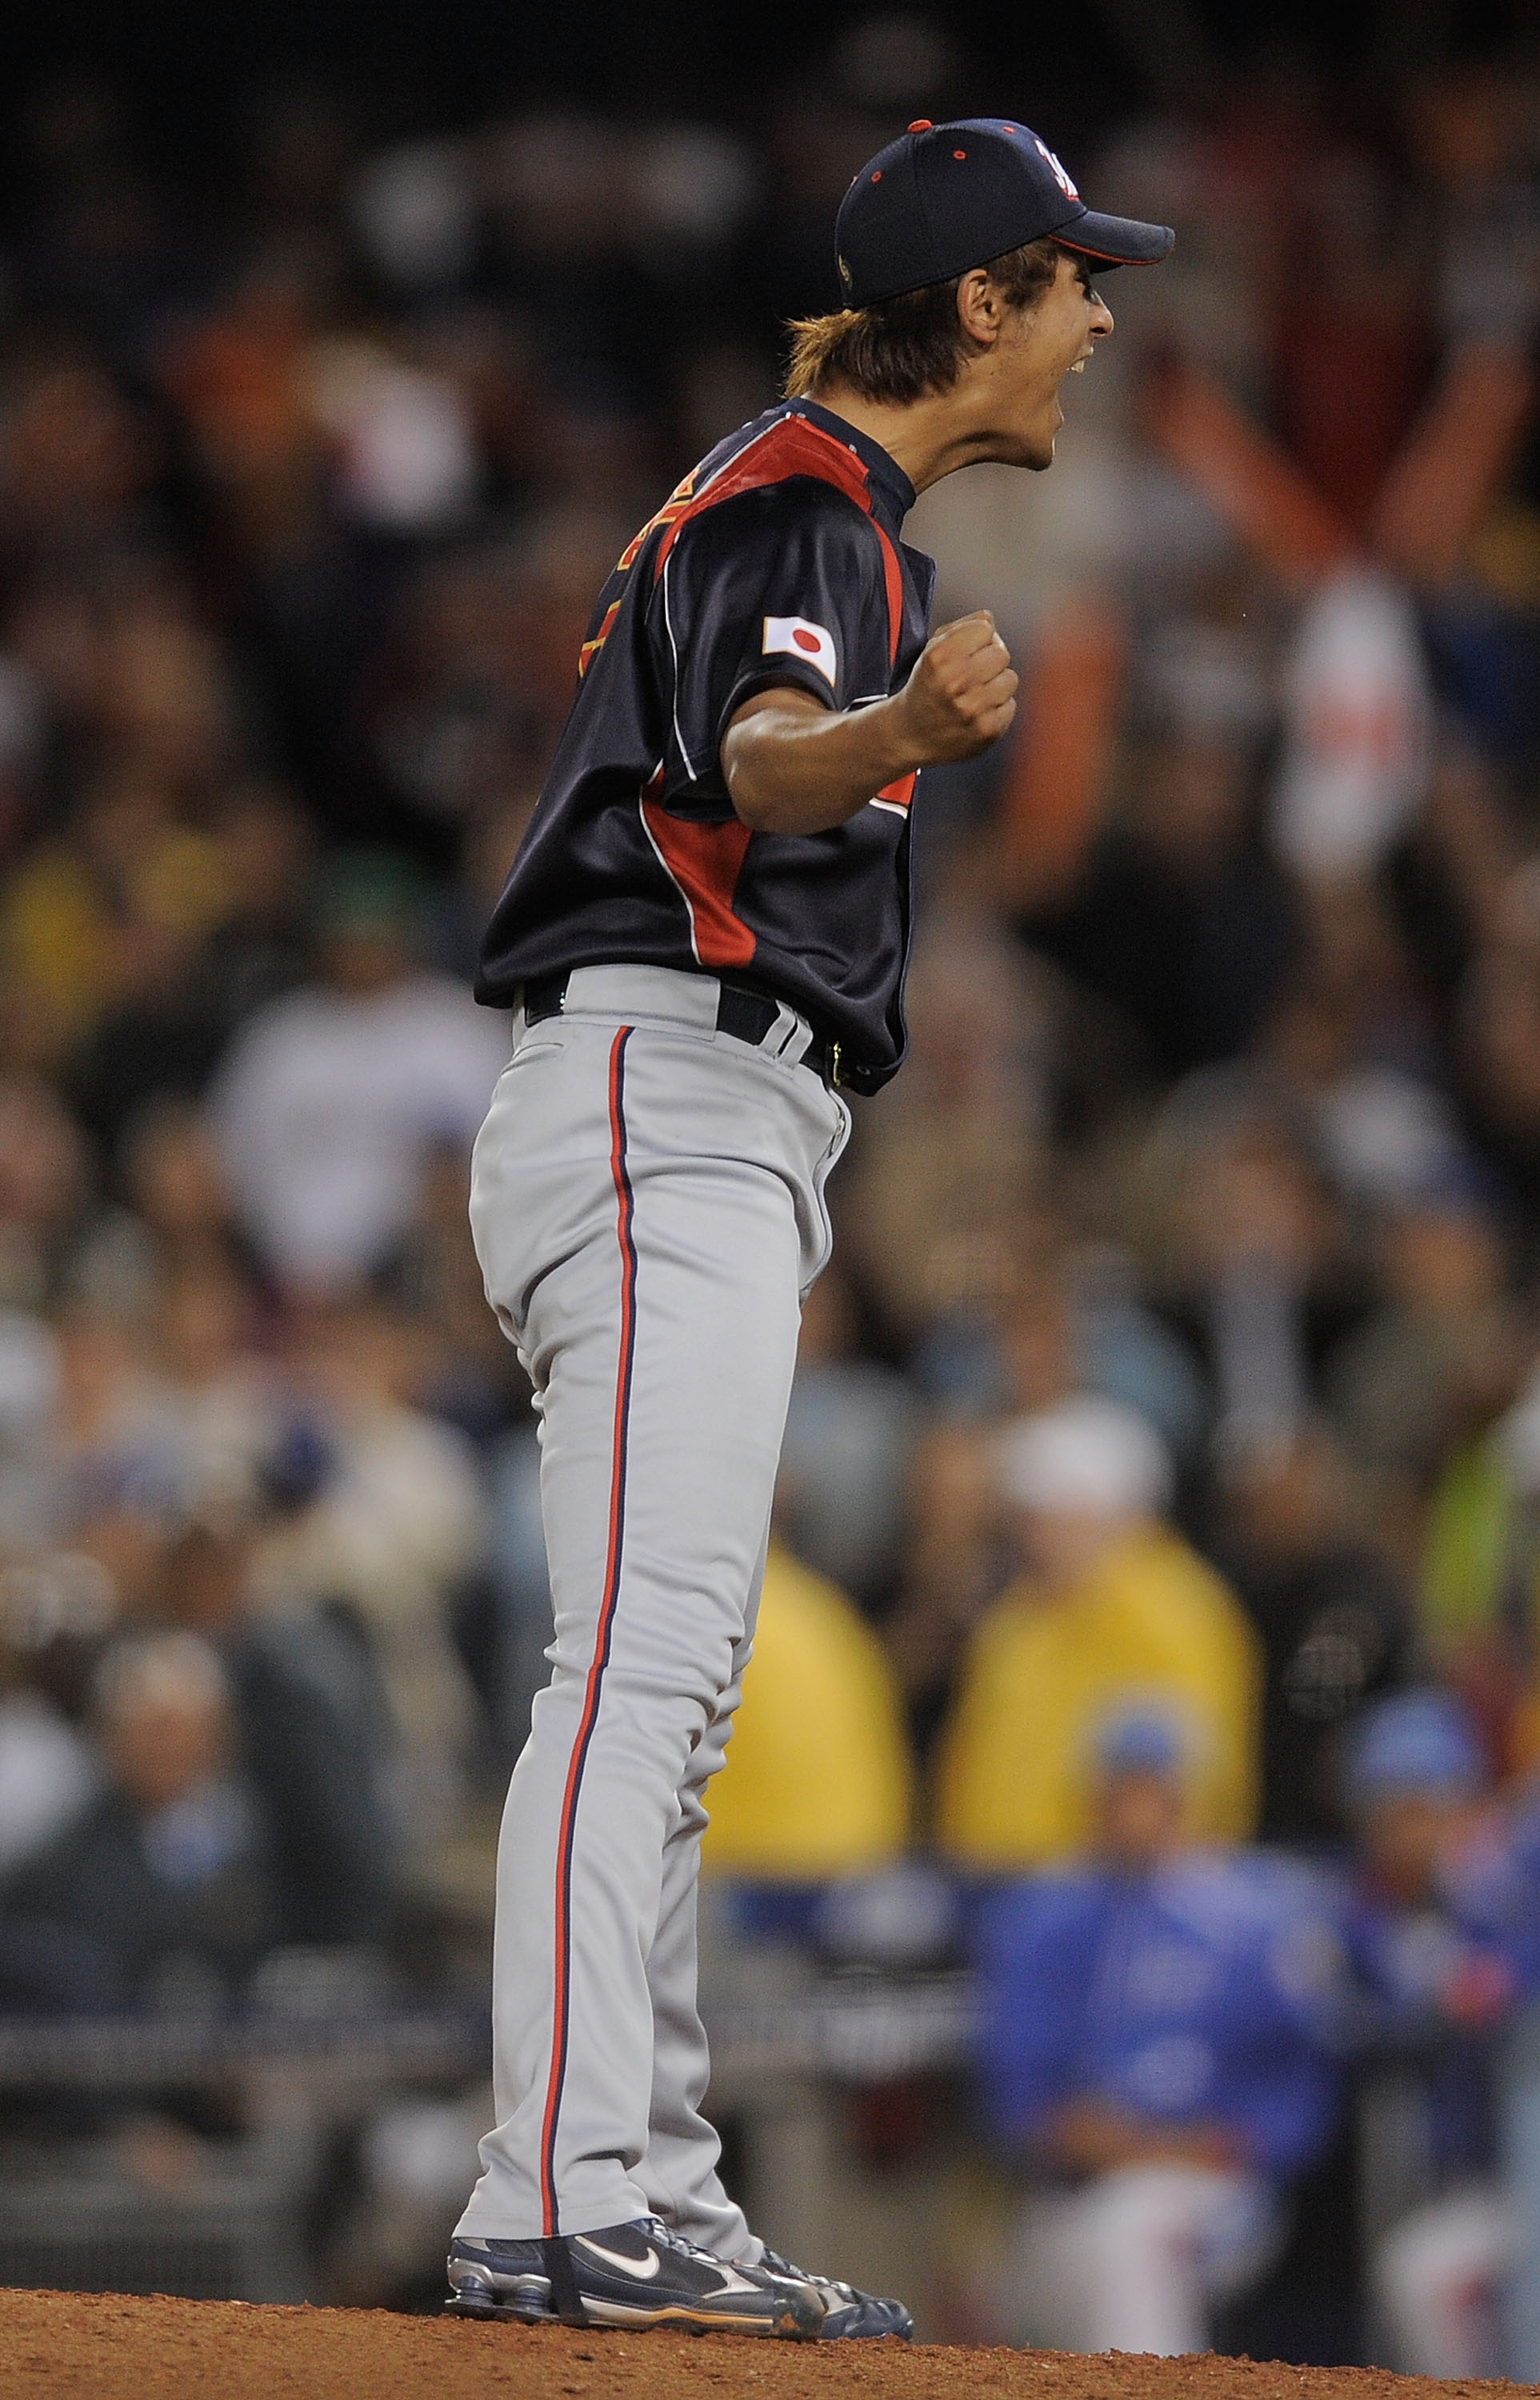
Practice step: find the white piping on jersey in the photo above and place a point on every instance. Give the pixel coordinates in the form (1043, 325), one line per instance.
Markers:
(679, 729)
(736, 460)
(689, 906)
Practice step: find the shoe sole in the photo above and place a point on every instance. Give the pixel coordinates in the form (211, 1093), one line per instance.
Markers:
(613, 2314)
(886, 2333)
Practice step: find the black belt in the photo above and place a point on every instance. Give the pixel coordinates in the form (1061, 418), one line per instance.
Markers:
(745, 1014)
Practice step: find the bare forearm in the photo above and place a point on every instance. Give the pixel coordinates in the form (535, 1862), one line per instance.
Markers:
(801, 769)
(793, 767)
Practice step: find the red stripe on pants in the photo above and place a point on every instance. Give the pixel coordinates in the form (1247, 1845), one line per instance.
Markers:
(625, 1210)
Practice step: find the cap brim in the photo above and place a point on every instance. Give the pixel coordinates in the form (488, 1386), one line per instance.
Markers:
(1121, 241)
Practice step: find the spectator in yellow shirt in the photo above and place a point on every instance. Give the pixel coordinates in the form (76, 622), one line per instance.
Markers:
(1114, 1610)
(817, 1780)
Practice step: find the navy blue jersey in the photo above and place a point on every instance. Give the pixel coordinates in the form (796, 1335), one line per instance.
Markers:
(777, 561)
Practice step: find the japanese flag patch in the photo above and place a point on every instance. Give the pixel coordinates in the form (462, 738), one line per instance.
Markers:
(802, 639)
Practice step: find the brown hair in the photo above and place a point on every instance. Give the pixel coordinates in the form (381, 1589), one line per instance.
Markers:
(901, 349)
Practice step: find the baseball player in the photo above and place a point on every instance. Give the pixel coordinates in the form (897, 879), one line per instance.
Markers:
(1155, 2049)
(703, 936)
(1438, 1981)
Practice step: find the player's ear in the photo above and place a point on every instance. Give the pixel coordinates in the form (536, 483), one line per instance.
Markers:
(980, 306)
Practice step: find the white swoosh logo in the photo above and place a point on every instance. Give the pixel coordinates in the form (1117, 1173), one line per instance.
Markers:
(731, 2283)
(644, 2270)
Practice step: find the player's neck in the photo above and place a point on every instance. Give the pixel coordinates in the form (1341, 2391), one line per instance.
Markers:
(927, 438)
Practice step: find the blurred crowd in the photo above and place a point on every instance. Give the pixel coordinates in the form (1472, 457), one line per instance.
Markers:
(1155, 1618)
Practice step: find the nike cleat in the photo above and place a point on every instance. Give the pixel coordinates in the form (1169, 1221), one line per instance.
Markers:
(849, 2315)
(639, 2275)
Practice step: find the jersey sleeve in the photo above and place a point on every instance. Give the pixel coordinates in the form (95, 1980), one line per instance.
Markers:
(782, 585)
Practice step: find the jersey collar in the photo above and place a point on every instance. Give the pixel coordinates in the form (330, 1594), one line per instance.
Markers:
(887, 477)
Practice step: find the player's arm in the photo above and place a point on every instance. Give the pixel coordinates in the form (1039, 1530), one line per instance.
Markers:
(792, 766)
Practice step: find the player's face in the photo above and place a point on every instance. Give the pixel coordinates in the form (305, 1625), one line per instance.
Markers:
(1038, 348)
(1403, 1839)
(1138, 1817)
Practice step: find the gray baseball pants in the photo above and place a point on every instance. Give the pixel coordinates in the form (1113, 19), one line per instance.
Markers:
(648, 1206)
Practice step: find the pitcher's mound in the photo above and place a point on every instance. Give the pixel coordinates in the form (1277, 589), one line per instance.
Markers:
(65, 2346)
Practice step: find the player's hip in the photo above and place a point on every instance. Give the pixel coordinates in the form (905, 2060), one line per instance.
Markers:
(666, 1133)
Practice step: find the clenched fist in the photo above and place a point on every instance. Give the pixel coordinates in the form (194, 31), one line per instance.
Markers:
(961, 694)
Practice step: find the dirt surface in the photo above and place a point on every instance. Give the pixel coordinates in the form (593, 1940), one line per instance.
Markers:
(60, 2346)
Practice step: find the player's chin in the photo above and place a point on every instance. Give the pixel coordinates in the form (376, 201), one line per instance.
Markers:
(1035, 445)
(1033, 451)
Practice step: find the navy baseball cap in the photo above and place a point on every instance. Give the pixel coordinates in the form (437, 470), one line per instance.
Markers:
(943, 199)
